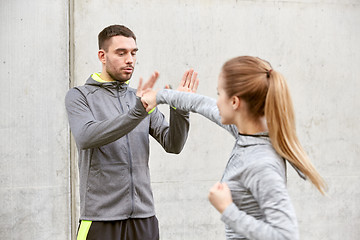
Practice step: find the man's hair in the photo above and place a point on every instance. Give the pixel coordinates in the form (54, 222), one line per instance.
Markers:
(111, 31)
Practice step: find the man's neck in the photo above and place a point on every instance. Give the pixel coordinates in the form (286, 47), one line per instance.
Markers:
(106, 77)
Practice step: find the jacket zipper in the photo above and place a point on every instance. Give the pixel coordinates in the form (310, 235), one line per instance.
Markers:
(227, 164)
(130, 159)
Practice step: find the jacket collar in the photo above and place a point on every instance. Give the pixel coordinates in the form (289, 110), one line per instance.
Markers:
(96, 77)
(245, 140)
(95, 80)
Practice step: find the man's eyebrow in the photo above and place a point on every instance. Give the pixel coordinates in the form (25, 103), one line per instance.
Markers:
(126, 49)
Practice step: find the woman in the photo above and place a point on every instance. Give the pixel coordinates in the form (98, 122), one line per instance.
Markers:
(254, 105)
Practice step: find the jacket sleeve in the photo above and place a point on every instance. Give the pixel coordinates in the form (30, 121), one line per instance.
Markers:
(196, 103)
(269, 189)
(90, 133)
(172, 137)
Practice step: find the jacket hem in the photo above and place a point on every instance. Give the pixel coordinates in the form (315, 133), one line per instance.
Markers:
(118, 218)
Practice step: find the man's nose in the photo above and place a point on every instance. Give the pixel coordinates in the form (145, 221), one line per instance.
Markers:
(129, 58)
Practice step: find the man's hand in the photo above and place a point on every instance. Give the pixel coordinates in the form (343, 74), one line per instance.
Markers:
(149, 99)
(188, 83)
(148, 85)
(220, 196)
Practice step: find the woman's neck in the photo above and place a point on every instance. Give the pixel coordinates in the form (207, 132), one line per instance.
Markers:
(250, 126)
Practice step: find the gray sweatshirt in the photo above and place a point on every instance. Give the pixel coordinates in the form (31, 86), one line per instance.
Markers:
(111, 129)
(255, 174)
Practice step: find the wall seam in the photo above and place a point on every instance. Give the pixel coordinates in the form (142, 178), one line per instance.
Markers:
(72, 179)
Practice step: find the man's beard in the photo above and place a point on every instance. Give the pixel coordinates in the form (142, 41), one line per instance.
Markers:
(119, 77)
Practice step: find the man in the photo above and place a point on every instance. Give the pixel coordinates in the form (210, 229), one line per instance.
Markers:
(111, 128)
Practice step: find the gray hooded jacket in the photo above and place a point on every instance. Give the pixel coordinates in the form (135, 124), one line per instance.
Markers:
(255, 174)
(111, 129)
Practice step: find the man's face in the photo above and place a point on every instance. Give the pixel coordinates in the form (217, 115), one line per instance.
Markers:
(120, 58)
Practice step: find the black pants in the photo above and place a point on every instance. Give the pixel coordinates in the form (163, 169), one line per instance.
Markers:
(129, 229)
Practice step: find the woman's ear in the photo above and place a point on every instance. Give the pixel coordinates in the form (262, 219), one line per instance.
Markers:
(101, 56)
(236, 102)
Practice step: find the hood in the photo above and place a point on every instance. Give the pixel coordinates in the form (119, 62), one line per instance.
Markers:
(245, 140)
(111, 87)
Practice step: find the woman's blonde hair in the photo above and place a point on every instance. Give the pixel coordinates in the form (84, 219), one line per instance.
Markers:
(266, 93)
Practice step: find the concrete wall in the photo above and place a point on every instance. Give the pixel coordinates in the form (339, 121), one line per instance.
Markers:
(313, 43)
(34, 147)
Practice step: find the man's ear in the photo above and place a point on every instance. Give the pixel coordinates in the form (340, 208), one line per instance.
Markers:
(101, 56)
(236, 102)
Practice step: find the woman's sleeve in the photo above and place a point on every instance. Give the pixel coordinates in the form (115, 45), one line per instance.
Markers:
(268, 187)
(196, 103)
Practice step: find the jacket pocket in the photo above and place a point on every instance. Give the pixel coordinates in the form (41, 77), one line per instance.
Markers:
(108, 192)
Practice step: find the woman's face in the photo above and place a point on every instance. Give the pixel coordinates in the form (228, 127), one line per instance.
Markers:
(224, 103)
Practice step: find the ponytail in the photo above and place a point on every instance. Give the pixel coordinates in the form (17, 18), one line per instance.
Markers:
(266, 93)
(280, 119)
